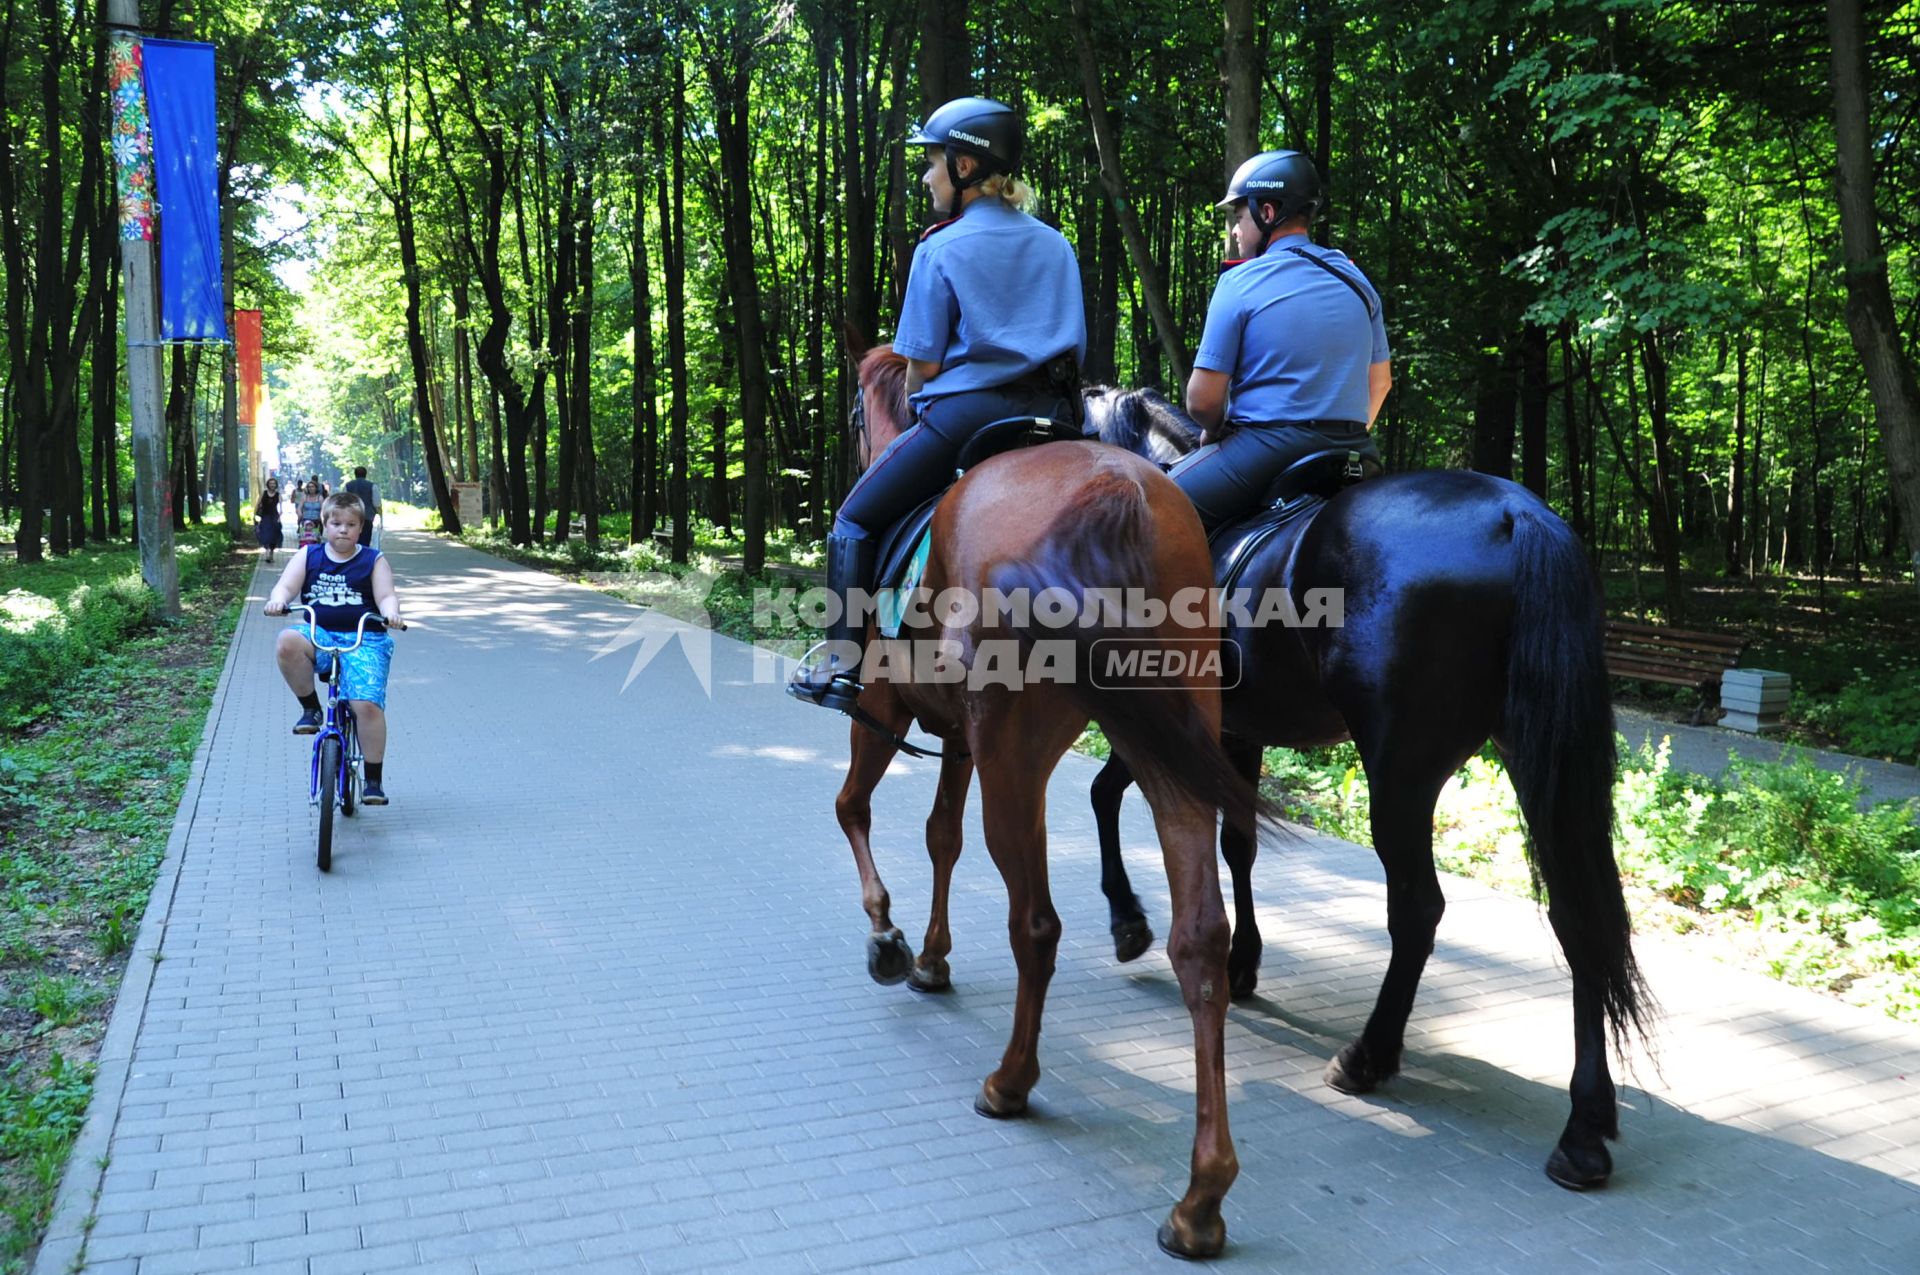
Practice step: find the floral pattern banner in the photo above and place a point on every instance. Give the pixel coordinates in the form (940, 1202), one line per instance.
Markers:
(132, 139)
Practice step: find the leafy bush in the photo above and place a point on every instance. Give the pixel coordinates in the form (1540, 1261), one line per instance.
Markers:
(1782, 852)
(1876, 717)
(61, 616)
(1831, 891)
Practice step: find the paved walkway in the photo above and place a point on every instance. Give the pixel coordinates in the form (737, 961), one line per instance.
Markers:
(590, 996)
(1704, 750)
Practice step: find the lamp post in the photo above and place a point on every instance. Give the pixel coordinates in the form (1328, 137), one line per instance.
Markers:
(133, 158)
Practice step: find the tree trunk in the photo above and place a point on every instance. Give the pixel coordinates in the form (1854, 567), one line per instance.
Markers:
(719, 511)
(945, 53)
(1535, 396)
(565, 257)
(1871, 320)
(1577, 503)
(676, 247)
(728, 79)
(1242, 76)
(1114, 180)
(586, 465)
(1666, 534)
(106, 444)
(1319, 22)
(1736, 504)
(645, 426)
(1493, 403)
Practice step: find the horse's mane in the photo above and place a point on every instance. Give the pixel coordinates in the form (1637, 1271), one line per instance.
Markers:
(1140, 421)
(885, 373)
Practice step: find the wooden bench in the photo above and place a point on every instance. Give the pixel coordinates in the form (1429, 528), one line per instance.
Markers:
(1677, 657)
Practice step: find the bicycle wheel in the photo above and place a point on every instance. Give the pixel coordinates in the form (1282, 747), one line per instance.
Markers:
(329, 773)
(350, 776)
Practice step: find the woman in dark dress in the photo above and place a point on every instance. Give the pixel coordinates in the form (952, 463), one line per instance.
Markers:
(266, 519)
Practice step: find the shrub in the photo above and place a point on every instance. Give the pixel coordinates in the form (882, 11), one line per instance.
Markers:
(1876, 717)
(45, 640)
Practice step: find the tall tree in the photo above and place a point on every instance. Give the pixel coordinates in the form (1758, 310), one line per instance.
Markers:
(1871, 320)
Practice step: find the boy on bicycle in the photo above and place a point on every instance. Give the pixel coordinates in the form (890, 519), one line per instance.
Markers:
(342, 580)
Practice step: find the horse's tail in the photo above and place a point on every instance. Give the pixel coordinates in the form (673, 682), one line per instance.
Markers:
(1101, 540)
(1559, 743)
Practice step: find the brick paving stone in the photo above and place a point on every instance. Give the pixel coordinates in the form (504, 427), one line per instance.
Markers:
(591, 995)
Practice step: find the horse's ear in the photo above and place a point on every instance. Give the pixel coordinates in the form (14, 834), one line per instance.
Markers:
(853, 340)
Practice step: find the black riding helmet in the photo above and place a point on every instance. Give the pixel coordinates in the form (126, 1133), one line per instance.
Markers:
(1286, 179)
(977, 126)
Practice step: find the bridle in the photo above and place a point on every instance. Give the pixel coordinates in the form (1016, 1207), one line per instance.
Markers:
(857, 423)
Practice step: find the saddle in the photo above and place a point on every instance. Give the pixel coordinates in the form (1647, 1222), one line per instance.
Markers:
(904, 546)
(1297, 491)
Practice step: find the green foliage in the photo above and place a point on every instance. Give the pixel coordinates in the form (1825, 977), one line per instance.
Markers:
(58, 617)
(1877, 716)
(40, 1115)
(1783, 852)
(88, 796)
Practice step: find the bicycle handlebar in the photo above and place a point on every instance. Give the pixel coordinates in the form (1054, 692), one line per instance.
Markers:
(359, 632)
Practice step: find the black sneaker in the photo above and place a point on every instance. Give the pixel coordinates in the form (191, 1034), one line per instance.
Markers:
(373, 795)
(309, 723)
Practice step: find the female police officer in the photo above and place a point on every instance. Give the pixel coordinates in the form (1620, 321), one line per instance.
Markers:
(991, 327)
(1294, 357)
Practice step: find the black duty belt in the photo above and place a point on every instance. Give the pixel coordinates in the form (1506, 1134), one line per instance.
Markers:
(1319, 425)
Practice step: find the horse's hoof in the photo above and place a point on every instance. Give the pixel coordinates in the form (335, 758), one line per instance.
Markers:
(1196, 1248)
(1581, 1170)
(930, 976)
(1131, 939)
(888, 957)
(996, 1106)
(1353, 1071)
(1242, 978)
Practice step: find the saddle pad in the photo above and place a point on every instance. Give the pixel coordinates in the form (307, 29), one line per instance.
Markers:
(903, 562)
(892, 602)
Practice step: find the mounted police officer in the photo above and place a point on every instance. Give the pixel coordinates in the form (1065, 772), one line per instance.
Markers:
(991, 327)
(1294, 358)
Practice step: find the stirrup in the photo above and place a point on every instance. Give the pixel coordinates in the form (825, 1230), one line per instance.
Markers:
(817, 683)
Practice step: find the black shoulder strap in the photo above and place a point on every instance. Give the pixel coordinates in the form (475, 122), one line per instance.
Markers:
(1358, 291)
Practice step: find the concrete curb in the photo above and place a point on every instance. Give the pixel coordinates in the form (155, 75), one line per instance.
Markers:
(64, 1249)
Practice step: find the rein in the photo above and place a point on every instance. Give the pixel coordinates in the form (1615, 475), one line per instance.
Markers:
(900, 742)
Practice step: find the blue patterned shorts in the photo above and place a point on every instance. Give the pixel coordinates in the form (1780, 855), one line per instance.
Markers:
(363, 673)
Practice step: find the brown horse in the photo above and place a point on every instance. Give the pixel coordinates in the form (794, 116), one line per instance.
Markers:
(1070, 516)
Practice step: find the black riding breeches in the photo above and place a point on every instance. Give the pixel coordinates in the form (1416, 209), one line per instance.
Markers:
(1226, 480)
(920, 462)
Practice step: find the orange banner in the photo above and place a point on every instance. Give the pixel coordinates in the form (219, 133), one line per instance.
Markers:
(246, 335)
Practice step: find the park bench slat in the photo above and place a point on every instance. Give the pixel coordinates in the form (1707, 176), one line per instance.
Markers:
(1676, 657)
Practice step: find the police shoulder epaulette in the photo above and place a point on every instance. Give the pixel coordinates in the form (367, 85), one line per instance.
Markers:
(928, 233)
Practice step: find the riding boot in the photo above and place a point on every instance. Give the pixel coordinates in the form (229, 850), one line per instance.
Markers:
(830, 673)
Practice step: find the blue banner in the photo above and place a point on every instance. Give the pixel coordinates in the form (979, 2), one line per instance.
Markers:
(186, 161)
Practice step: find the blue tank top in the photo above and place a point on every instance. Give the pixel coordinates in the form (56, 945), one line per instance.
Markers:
(340, 592)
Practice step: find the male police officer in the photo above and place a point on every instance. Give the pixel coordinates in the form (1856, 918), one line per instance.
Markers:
(1294, 358)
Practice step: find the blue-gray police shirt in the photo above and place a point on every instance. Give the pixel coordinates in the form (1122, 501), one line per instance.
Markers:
(1294, 341)
(992, 296)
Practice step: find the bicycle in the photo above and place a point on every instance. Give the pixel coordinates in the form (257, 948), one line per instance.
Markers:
(334, 777)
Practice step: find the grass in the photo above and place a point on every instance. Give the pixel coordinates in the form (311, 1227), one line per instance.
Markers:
(89, 786)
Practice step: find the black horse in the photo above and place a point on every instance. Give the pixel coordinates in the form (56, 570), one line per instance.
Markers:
(1470, 614)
